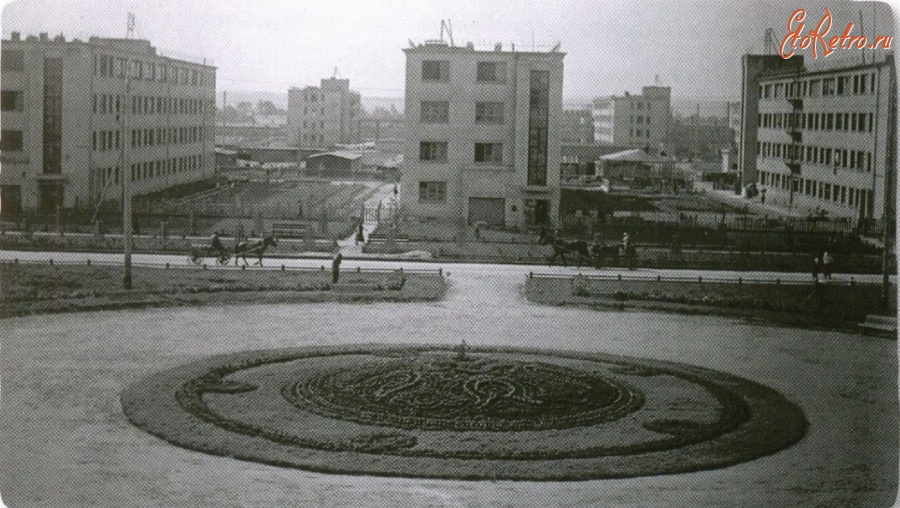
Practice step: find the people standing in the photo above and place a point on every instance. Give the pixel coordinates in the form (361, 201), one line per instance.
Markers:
(815, 269)
(826, 265)
(336, 267)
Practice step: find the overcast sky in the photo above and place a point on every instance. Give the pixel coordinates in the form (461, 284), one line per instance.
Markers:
(612, 46)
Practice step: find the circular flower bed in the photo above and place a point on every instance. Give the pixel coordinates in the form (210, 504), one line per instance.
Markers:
(487, 413)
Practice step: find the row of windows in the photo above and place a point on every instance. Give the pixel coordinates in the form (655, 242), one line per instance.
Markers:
(833, 157)
(143, 105)
(858, 84)
(432, 192)
(11, 141)
(639, 133)
(108, 66)
(149, 170)
(485, 72)
(11, 100)
(110, 140)
(313, 125)
(160, 168)
(12, 60)
(313, 138)
(439, 112)
(436, 151)
(848, 122)
(838, 194)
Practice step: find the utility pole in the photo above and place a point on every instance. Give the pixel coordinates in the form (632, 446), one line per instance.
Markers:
(126, 167)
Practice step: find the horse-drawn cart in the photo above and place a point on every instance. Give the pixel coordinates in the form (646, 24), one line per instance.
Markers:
(199, 252)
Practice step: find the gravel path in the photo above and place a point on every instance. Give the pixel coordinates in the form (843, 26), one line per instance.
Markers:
(66, 443)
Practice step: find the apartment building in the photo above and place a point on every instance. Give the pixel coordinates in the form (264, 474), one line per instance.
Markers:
(634, 120)
(482, 134)
(63, 121)
(820, 140)
(324, 116)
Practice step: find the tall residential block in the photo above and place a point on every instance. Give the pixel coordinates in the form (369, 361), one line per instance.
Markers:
(820, 139)
(482, 135)
(634, 120)
(63, 124)
(323, 116)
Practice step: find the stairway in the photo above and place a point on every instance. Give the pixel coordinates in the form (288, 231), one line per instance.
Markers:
(880, 325)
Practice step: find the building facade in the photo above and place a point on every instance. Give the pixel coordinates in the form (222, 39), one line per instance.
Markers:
(482, 135)
(324, 116)
(64, 108)
(578, 127)
(820, 140)
(634, 120)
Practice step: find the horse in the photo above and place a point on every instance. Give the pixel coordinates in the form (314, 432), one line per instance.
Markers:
(259, 247)
(562, 247)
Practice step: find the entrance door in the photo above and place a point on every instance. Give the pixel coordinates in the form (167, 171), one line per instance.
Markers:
(537, 212)
(10, 200)
(50, 198)
(488, 210)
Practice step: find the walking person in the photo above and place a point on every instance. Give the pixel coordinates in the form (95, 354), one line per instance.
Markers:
(815, 269)
(336, 267)
(826, 265)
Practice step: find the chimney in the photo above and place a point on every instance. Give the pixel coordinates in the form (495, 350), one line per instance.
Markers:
(498, 47)
(43, 36)
(16, 36)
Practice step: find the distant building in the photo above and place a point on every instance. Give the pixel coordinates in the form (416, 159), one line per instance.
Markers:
(819, 140)
(337, 163)
(324, 116)
(633, 120)
(578, 162)
(63, 105)
(482, 134)
(577, 127)
(698, 139)
(734, 122)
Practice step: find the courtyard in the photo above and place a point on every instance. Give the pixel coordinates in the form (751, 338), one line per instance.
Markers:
(67, 442)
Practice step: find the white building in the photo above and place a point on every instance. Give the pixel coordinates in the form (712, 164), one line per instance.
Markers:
(324, 116)
(634, 120)
(63, 107)
(482, 135)
(819, 140)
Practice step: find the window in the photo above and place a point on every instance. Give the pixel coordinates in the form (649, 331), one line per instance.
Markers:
(11, 100)
(489, 112)
(11, 141)
(828, 86)
(434, 112)
(435, 151)
(432, 192)
(814, 85)
(491, 72)
(435, 70)
(12, 60)
(489, 152)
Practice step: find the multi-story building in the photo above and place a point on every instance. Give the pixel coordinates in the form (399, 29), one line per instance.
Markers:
(482, 134)
(634, 120)
(819, 140)
(324, 116)
(64, 107)
(577, 127)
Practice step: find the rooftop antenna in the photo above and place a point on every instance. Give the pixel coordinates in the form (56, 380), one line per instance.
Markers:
(336, 74)
(769, 44)
(656, 78)
(446, 27)
(130, 32)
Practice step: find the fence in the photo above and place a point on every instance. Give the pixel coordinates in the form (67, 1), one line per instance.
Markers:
(698, 279)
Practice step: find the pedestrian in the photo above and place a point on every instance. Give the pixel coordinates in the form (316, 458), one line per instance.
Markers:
(826, 265)
(762, 197)
(336, 268)
(815, 269)
(360, 237)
